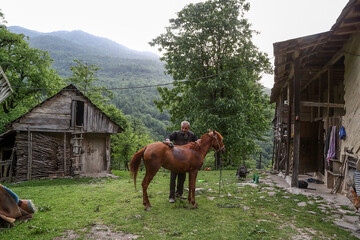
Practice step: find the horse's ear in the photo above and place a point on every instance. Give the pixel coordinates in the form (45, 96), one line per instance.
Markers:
(209, 130)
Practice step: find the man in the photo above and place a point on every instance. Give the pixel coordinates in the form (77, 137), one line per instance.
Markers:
(181, 137)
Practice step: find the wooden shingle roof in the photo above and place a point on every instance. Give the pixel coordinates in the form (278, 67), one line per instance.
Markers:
(315, 52)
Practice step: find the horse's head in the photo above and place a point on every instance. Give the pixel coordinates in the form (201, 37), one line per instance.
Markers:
(217, 143)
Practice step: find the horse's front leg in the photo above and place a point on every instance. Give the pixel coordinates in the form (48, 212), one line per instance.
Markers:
(192, 181)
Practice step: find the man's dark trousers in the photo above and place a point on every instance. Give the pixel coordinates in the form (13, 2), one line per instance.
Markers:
(180, 184)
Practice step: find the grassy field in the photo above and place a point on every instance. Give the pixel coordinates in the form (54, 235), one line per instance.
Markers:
(231, 211)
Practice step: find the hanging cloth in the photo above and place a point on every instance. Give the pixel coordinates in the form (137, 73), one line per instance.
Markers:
(332, 148)
(327, 141)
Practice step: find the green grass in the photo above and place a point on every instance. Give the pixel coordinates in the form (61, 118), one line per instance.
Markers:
(236, 212)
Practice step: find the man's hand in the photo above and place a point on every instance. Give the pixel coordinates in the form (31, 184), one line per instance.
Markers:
(168, 142)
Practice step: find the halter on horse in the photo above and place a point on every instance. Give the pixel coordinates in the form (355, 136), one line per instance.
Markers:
(186, 158)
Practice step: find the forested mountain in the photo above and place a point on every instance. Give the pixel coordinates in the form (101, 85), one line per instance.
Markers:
(121, 68)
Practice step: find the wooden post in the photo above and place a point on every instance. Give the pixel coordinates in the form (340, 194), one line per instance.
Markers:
(65, 170)
(216, 161)
(321, 85)
(288, 138)
(297, 86)
(29, 155)
(260, 160)
(273, 154)
(12, 163)
(311, 98)
(107, 154)
(330, 93)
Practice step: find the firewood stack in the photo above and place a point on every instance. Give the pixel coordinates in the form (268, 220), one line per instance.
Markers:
(60, 159)
(47, 156)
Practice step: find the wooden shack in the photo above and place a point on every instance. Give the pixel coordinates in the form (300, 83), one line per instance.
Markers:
(316, 91)
(65, 135)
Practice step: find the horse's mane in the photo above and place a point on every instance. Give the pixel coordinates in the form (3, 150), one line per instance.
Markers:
(194, 145)
(217, 133)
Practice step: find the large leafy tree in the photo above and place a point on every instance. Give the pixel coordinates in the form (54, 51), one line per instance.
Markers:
(84, 76)
(135, 137)
(29, 72)
(209, 52)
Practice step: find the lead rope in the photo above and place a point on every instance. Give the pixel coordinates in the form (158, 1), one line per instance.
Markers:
(221, 181)
(220, 163)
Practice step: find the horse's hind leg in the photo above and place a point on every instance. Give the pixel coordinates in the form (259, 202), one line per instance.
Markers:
(145, 184)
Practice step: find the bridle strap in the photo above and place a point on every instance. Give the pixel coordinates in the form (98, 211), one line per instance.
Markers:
(220, 148)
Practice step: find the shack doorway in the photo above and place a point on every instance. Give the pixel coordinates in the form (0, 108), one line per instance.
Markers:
(311, 148)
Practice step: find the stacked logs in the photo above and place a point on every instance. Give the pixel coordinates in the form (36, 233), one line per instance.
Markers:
(47, 156)
(60, 159)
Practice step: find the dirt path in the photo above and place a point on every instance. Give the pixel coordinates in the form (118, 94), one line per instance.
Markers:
(346, 219)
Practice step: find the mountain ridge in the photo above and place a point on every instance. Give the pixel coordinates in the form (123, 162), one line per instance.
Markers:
(109, 47)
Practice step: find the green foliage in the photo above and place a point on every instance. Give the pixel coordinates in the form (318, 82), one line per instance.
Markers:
(84, 77)
(115, 114)
(209, 52)
(125, 144)
(29, 72)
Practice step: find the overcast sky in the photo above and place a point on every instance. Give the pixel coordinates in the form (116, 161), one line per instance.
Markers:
(133, 23)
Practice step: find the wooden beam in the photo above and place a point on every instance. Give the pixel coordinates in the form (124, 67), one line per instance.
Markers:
(107, 153)
(345, 30)
(319, 97)
(351, 20)
(65, 170)
(297, 96)
(288, 137)
(302, 46)
(29, 172)
(12, 158)
(333, 60)
(321, 104)
(330, 87)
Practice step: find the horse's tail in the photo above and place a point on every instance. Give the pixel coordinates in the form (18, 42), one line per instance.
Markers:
(135, 163)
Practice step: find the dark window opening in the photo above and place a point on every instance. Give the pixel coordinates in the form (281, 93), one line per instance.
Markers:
(79, 113)
(6, 155)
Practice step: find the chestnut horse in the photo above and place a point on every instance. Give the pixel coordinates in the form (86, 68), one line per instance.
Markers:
(185, 158)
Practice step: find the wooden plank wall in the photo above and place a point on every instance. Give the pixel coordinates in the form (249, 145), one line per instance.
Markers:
(97, 122)
(55, 115)
(351, 120)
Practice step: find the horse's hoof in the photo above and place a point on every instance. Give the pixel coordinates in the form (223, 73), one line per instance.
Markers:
(147, 209)
(194, 206)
